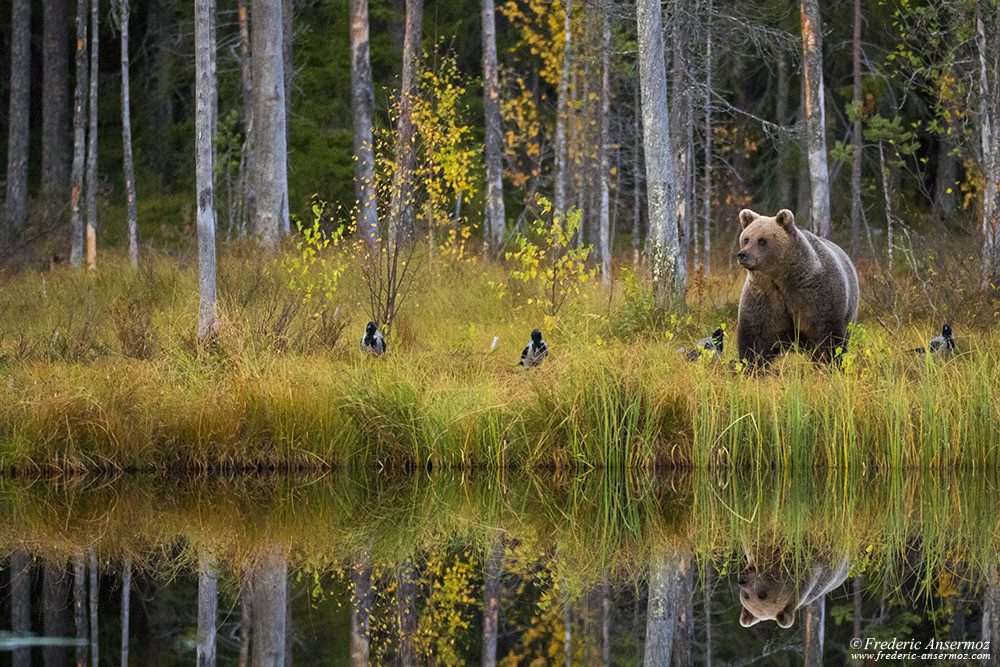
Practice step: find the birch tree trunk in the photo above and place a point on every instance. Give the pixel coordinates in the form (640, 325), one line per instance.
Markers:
(363, 102)
(707, 195)
(663, 243)
(80, 605)
(636, 182)
(604, 241)
(784, 179)
(270, 587)
(55, 105)
(812, 69)
(247, 189)
(133, 214)
(20, 603)
(94, 595)
(16, 204)
(680, 127)
(55, 616)
(856, 138)
(406, 612)
(495, 215)
(401, 205)
(79, 137)
(270, 178)
(205, 92)
(492, 571)
(562, 111)
(208, 601)
(989, 122)
(814, 631)
(361, 609)
(126, 602)
(661, 610)
(92, 143)
(287, 62)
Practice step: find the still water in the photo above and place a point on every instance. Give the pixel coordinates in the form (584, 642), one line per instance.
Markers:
(545, 568)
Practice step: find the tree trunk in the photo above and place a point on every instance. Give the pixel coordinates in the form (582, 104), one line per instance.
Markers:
(562, 112)
(287, 62)
(208, 600)
(406, 612)
(603, 240)
(20, 603)
(685, 616)
(133, 214)
(94, 600)
(55, 105)
(16, 203)
(363, 101)
(80, 605)
(55, 603)
(812, 69)
(989, 119)
(680, 127)
(636, 182)
(247, 191)
(270, 588)
(947, 177)
(663, 244)
(567, 623)
(495, 216)
(361, 609)
(246, 621)
(270, 178)
(126, 602)
(857, 139)
(606, 622)
(888, 202)
(857, 606)
(814, 630)
(707, 195)
(401, 205)
(708, 613)
(79, 137)
(661, 611)
(205, 93)
(492, 572)
(92, 143)
(783, 176)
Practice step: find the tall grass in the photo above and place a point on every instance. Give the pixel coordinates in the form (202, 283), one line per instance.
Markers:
(102, 372)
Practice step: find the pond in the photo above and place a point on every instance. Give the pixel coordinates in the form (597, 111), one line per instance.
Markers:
(541, 568)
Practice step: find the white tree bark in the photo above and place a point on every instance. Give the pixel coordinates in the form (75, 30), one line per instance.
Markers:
(562, 112)
(681, 127)
(270, 175)
(92, 143)
(208, 601)
(663, 241)
(363, 102)
(133, 214)
(661, 611)
(270, 586)
(16, 203)
(79, 137)
(604, 241)
(205, 93)
(401, 204)
(812, 69)
(495, 215)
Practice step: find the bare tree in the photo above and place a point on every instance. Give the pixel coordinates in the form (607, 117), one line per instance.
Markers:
(205, 94)
(681, 127)
(812, 70)
(16, 204)
(270, 177)
(603, 242)
(79, 137)
(562, 112)
(401, 205)
(707, 192)
(663, 243)
(856, 139)
(55, 104)
(133, 214)
(495, 215)
(92, 144)
(208, 601)
(989, 132)
(363, 101)
(247, 190)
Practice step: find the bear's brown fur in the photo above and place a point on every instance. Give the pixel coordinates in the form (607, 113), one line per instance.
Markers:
(799, 288)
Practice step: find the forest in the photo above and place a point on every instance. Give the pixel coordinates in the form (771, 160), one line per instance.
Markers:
(246, 184)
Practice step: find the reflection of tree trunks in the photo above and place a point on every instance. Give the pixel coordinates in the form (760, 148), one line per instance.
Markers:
(857, 606)
(661, 607)
(708, 614)
(94, 594)
(20, 602)
(568, 624)
(246, 619)
(80, 605)
(208, 598)
(991, 613)
(492, 570)
(56, 610)
(361, 608)
(635, 627)
(270, 588)
(814, 626)
(406, 612)
(126, 601)
(685, 616)
(606, 621)
(289, 627)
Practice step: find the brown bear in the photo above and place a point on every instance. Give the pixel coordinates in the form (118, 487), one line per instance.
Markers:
(799, 288)
(771, 591)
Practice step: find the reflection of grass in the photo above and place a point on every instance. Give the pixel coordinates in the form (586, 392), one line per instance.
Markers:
(102, 372)
(583, 527)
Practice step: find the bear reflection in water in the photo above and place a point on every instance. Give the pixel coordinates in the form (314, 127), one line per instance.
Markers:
(771, 590)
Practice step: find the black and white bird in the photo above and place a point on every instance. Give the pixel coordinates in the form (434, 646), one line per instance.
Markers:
(372, 343)
(942, 346)
(535, 351)
(711, 346)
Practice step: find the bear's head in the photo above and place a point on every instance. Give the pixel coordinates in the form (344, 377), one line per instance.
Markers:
(765, 240)
(767, 596)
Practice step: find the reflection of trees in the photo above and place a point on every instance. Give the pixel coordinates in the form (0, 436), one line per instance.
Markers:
(56, 608)
(20, 602)
(361, 607)
(815, 627)
(207, 608)
(270, 588)
(492, 570)
(126, 602)
(406, 611)
(661, 608)
(80, 605)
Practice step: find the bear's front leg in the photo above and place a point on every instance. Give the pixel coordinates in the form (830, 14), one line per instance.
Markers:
(756, 337)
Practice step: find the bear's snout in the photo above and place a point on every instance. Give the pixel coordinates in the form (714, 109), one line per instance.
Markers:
(743, 259)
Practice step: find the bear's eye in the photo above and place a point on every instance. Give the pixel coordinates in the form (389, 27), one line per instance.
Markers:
(762, 595)
(745, 241)
(761, 242)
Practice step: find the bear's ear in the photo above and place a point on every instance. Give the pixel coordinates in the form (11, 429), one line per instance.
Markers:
(785, 618)
(747, 619)
(747, 216)
(785, 218)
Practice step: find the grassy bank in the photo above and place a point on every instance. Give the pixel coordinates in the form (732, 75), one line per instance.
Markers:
(103, 372)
